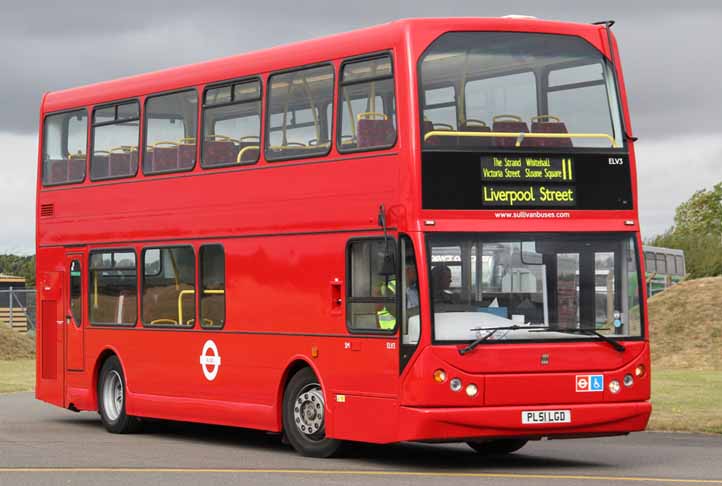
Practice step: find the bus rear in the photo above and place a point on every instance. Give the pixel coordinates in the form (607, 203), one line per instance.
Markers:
(530, 245)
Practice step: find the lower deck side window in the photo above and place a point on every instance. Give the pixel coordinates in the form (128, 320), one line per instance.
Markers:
(113, 287)
(213, 286)
(372, 304)
(169, 286)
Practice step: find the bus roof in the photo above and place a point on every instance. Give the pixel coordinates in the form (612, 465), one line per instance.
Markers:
(357, 42)
(659, 249)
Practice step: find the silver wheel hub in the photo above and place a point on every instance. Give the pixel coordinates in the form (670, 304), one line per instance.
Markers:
(112, 395)
(308, 410)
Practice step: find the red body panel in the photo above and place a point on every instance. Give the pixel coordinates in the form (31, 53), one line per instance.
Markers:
(284, 227)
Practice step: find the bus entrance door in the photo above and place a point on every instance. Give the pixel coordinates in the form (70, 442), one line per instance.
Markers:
(74, 345)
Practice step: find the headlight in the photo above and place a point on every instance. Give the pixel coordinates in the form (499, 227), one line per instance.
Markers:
(439, 376)
(471, 390)
(614, 386)
(628, 380)
(455, 384)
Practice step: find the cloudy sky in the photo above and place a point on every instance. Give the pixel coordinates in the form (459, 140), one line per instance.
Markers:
(670, 54)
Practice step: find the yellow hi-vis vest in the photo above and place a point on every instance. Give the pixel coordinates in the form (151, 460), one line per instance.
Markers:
(386, 319)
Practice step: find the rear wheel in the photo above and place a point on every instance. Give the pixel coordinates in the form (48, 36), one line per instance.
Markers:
(499, 446)
(304, 416)
(111, 399)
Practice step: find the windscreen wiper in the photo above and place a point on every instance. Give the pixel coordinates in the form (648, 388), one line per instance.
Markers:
(589, 332)
(491, 332)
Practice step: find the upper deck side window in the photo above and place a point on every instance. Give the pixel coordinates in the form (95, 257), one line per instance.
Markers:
(116, 134)
(231, 124)
(170, 129)
(65, 145)
(517, 90)
(367, 114)
(297, 117)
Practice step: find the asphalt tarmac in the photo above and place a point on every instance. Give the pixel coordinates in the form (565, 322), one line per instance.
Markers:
(44, 445)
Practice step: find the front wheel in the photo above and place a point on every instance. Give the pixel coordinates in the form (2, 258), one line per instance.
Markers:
(111, 399)
(499, 446)
(304, 416)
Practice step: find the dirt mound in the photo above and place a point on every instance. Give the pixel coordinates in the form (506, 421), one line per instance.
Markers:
(14, 345)
(686, 325)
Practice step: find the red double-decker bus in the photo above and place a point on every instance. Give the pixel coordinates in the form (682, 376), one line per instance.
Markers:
(421, 231)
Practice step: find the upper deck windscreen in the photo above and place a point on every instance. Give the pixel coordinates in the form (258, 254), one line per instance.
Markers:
(517, 91)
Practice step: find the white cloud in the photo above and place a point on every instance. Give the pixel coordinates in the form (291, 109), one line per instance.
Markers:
(670, 171)
(17, 193)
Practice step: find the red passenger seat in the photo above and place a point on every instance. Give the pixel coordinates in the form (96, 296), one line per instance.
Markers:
(378, 132)
(120, 164)
(219, 153)
(475, 126)
(186, 155)
(57, 170)
(164, 158)
(548, 124)
(100, 165)
(439, 139)
(76, 168)
(510, 124)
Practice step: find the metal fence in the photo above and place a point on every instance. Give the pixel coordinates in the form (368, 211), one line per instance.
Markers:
(17, 306)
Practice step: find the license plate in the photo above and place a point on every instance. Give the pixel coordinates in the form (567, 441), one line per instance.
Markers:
(546, 417)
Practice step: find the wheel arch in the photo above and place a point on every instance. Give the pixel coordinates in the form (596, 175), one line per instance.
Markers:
(294, 365)
(103, 356)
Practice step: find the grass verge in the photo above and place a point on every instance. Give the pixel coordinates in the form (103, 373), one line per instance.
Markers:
(17, 375)
(686, 400)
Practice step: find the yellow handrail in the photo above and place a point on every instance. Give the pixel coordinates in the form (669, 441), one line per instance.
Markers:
(520, 136)
(370, 115)
(243, 150)
(167, 142)
(180, 302)
(220, 138)
(192, 292)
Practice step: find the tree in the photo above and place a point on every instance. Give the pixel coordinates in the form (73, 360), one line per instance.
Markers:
(21, 266)
(698, 231)
(701, 214)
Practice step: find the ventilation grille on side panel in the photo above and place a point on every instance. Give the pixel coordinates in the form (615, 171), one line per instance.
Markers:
(47, 210)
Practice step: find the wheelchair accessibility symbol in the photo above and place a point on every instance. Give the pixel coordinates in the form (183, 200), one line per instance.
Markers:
(590, 383)
(210, 360)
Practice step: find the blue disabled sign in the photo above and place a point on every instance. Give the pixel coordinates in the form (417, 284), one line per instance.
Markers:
(596, 383)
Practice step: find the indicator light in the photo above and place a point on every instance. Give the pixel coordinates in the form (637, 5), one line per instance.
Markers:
(628, 380)
(614, 386)
(455, 384)
(640, 371)
(471, 390)
(439, 376)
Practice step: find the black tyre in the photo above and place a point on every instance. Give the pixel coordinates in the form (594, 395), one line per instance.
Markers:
(304, 416)
(111, 399)
(499, 446)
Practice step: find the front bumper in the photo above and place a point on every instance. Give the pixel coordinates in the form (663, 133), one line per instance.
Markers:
(454, 423)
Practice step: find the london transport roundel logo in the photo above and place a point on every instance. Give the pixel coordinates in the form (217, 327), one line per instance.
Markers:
(210, 360)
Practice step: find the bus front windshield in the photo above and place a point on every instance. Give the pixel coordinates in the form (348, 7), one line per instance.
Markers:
(512, 90)
(547, 286)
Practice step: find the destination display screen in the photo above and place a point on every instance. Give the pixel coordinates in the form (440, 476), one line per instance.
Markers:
(553, 171)
(468, 180)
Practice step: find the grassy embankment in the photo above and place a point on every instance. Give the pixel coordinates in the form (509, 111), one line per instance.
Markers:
(17, 361)
(686, 329)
